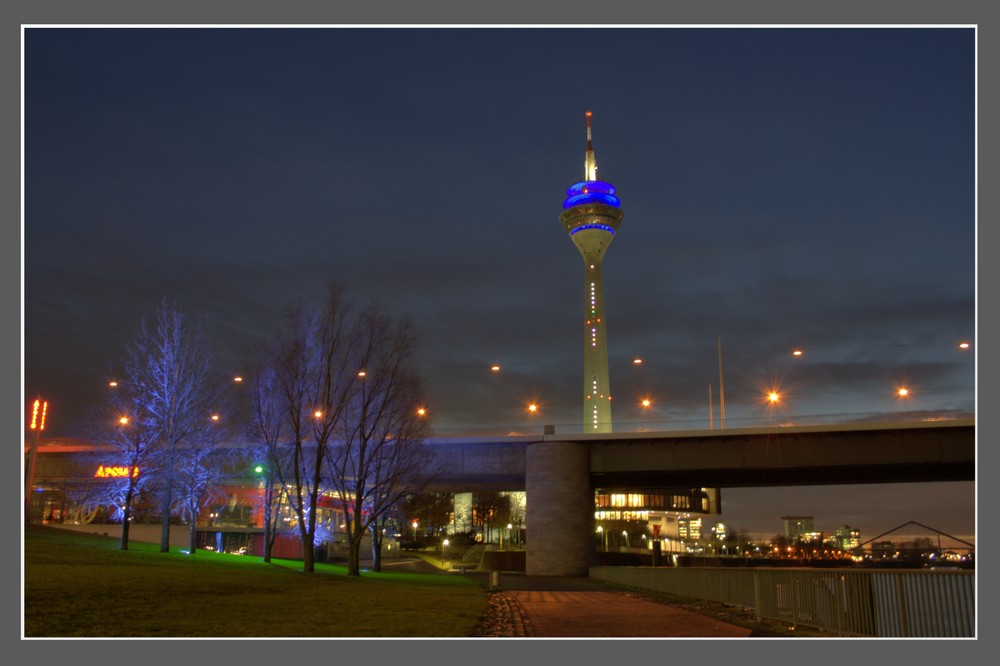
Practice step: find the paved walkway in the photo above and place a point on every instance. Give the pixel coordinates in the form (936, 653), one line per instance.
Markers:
(571, 607)
(553, 607)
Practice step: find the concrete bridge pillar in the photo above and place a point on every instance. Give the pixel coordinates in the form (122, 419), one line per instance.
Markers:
(559, 510)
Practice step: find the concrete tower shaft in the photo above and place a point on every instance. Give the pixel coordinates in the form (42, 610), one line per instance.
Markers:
(591, 216)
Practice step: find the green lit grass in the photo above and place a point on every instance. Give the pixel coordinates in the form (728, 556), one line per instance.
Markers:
(78, 585)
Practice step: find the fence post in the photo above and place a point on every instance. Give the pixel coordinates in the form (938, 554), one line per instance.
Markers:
(756, 593)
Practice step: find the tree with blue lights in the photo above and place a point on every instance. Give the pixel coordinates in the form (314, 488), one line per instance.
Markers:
(127, 463)
(169, 366)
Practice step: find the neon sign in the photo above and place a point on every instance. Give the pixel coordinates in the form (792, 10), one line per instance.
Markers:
(115, 472)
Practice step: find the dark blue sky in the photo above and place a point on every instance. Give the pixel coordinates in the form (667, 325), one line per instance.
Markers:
(782, 188)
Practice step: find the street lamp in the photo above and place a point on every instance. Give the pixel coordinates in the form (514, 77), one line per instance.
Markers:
(446, 550)
(625, 534)
(604, 537)
(414, 531)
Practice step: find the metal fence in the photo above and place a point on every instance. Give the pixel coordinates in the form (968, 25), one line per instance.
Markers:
(862, 602)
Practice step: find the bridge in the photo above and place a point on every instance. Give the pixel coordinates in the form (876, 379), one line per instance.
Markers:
(560, 472)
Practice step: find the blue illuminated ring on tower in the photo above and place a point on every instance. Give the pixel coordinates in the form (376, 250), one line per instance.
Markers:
(604, 227)
(591, 191)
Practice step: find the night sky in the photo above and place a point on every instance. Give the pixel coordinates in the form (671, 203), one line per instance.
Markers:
(809, 188)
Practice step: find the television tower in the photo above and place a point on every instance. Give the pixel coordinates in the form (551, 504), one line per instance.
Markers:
(591, 216)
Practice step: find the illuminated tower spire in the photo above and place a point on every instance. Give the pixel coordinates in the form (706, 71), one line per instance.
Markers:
(591, 216)
(589, 162)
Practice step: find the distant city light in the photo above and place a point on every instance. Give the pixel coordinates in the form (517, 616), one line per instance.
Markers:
(215, 417)
(361, 373)
(963, 345)
(112, 383)
(237, 379)
(797, 352)
(637, 361)
(495, 368)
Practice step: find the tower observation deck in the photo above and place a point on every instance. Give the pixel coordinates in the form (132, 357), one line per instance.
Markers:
(591, 216)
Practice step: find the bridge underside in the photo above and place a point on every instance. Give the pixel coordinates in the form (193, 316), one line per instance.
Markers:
(799, 476)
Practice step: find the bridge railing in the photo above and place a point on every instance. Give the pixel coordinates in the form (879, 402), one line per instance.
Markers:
(876, 603)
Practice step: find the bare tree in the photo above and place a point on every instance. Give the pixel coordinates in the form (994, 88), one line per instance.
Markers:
(314, 376)
(378, 457)
(169, 366)
(266, 421)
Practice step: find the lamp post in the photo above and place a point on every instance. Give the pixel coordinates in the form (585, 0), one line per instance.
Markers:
(38, 412)
(414, 532)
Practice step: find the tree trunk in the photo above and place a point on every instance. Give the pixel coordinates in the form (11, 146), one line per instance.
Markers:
(193, 533)
(165, 531)
(126, 520)
(353, 554)
(123, 544)
(308, 553)
(376, 549)
(267, 535)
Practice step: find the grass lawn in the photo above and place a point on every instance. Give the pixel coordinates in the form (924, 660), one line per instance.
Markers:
(80, 585)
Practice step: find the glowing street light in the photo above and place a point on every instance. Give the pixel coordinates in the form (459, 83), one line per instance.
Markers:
(963, 345)
(903, 392)
(123, 420)
(421, 411)
(39, 409)
(414, 531)
(318, 414)
(532, 408)
(113, 384)
(797, 352)
(495, 368)
(646, 402)
(773, 397)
